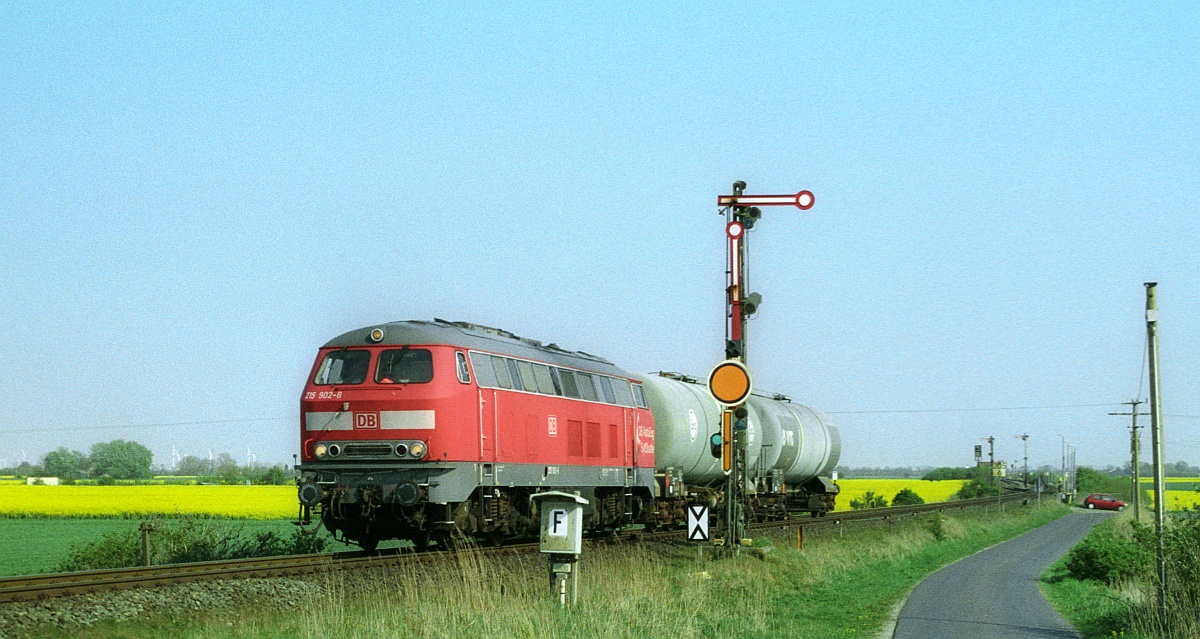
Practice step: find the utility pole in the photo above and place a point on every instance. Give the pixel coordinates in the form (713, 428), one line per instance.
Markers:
(1062, 475)
(1135, 445)
(1156, 442)
(1071, 469)
(991, 459)
(1025, 449)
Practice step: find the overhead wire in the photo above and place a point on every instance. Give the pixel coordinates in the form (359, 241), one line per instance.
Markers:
(962, 410)
(152, 425)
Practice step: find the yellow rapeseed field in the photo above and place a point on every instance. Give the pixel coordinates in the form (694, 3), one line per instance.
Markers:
(245, 502)
(1178, 499)
(930, 491)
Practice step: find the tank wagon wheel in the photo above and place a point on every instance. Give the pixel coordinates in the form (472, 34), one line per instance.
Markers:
(368, 544)
(421, 541)
(496, 538)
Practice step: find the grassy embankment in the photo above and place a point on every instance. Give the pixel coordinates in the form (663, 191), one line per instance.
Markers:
(1108, 589)
(845, 583)
(39, 524)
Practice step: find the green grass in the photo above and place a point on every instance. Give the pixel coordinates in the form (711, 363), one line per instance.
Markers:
(35, 545)
(845, 583)
(1089, 605)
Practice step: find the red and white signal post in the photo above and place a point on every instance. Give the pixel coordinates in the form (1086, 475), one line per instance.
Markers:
(729, 382)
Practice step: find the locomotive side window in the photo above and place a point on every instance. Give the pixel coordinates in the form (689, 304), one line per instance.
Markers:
(464, 374)
(544, 383)
(558, 389)
(484, 374)
(500, 366)
(516, 377)
(621, 390)
(404, 366)
(570, 389)
(527, 378)
(599, 389)
(640, 396)
(587, 388)
(343, 367)
(607, 389)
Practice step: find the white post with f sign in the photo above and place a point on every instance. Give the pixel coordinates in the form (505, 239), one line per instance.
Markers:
(562, 540)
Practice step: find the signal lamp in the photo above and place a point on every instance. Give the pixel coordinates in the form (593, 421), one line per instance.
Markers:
(320, 450)
(740, 413)
(417, 450)
(714, 444)
(751, 303)
(750, 216)
(733, 349)
(401, 450)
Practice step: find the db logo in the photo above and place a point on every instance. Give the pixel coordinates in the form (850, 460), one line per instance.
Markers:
(366, 420)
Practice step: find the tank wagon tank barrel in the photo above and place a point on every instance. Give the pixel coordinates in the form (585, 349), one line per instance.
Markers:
(787, 445)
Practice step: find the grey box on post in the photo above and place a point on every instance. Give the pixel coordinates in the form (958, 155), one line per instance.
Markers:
(562, 522)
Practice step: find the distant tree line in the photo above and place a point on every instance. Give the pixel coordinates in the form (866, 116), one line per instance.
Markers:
(225, 470)
(129, 460)
(1171, 469)
(118, 459)
(881, 471)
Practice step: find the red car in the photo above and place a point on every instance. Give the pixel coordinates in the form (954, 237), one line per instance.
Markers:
(1103, 502)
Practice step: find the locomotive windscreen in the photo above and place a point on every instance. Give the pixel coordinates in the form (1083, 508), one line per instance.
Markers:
(343, 367)
(404, 366)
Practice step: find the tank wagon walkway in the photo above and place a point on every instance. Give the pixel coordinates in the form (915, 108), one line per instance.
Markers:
(994, 593)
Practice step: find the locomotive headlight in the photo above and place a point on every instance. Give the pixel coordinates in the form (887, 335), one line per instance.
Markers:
(377, 335)
(417, 450)
(320, 450)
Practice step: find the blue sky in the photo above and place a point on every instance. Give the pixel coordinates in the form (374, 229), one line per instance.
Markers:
(195, 198)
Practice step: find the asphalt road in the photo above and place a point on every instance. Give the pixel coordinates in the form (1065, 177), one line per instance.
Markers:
(994, 594)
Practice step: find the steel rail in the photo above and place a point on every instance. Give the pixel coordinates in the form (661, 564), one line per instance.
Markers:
(33, 587)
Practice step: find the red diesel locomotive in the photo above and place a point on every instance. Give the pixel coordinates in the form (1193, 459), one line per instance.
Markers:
(420, 430)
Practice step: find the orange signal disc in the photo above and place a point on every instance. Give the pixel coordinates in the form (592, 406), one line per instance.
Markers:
(729, 382)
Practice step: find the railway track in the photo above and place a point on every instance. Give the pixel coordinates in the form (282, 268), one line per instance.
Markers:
(33, 587)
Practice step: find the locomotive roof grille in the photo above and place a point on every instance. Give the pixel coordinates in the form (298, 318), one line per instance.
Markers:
(473, 336)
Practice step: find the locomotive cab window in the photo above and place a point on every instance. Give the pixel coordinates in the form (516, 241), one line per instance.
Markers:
(404, 366)
(464, 374)
(343, 367)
